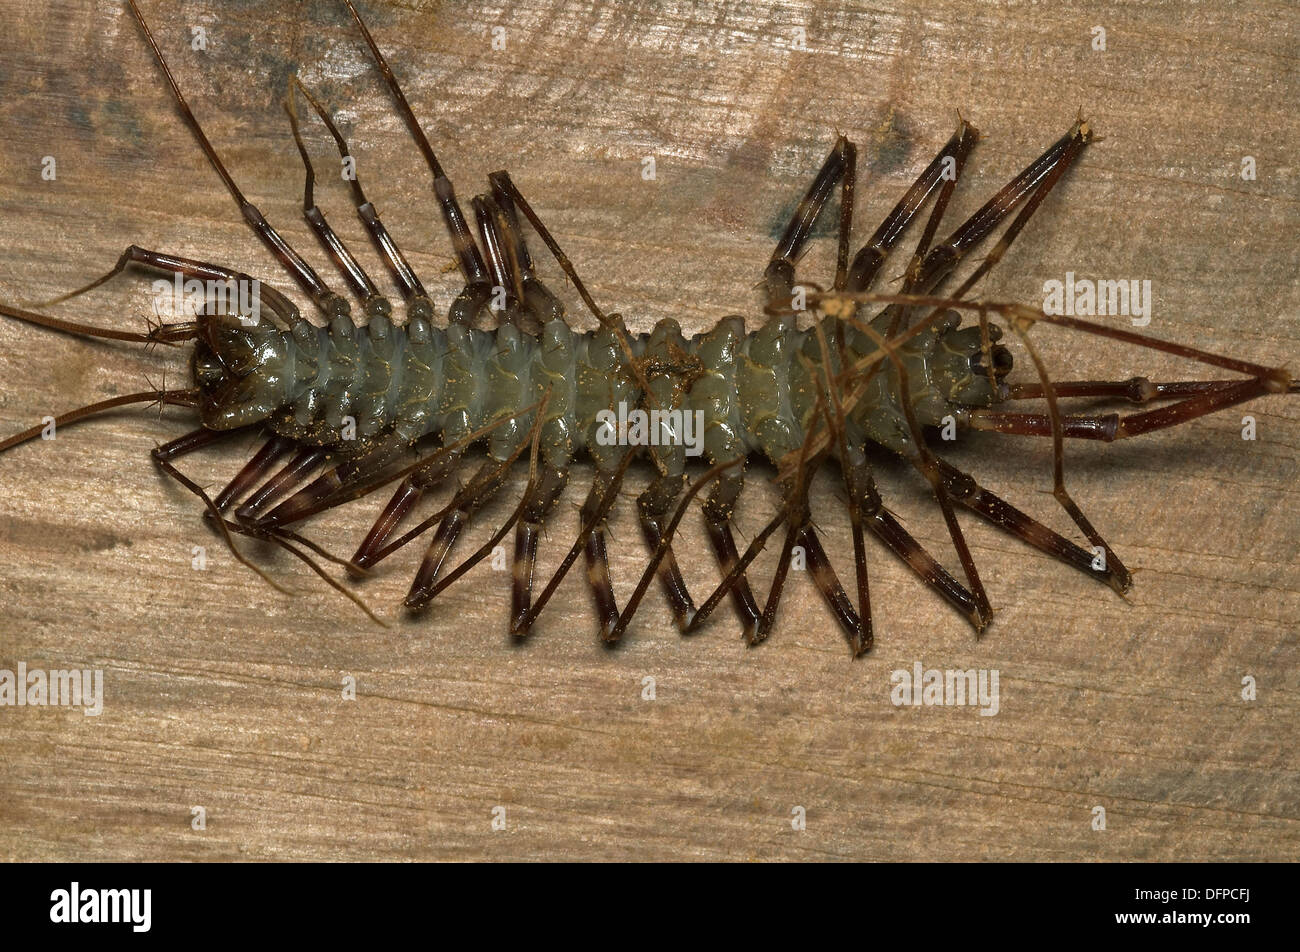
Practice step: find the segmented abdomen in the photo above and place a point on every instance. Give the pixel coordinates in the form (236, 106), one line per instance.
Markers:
(345, 387)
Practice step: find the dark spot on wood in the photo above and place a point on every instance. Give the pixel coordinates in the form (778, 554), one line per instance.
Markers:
(888, 153)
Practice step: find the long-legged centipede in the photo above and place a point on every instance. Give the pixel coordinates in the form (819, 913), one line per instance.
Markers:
(534, 389)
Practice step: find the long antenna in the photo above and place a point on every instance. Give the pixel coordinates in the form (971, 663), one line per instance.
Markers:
(183, 398)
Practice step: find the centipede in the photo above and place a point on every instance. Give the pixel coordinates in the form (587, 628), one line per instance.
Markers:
(357, 401)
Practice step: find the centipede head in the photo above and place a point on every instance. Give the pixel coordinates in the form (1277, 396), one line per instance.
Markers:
(968, 373)
(239, 365)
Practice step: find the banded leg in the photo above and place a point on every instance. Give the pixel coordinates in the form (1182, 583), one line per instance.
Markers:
(600, 500)
(998, 512)
(737, 570)
(253, 471)
(529, 303)
(323, 492)
(944, 168)
(164, 457)
(281, 484)
(920, 456)
(1032, 183)
(424, 474)
(1203, 400)
(1137, 390)
(883, 525)
(899, 541)
(594, 513)
(503, 274)
(276, 302)
(375, 546)
(482, 487)
(799, 531)
(860, 485)
(478, 289)
(538, 504)
(418, 304)
(828, 583)
(654, 506)
(1037, 179)
(1074, 144)
(718, 509)
(372, 302)
(539, 496)
(537, 297)
(840, 165)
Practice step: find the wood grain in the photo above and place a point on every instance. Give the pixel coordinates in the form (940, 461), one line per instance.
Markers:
(222, 693)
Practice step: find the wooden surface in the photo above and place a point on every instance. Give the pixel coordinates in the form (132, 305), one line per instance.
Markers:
(222, 693)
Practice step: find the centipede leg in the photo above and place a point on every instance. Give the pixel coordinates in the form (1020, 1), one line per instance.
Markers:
(592, 541)
(281, 484)
(717, 520)
(998, 512)
(373, 303)
(190, 442)
(899, 541)
(330, 303)
(596, 553)
(418, 304)
(164, 457)
(1137, 390)
(478, 288)
(485, 484)
(733, 577)
(499, 258)
(828, 583)
(248, 476)
(1033, 183)
(253, 471)
(653, 507)
(538, 506)
(1114, 426)
(321, 493)
(768, 617)
(537, 297)
(799, 531)
(1108, 427)
(276, 302)
(600, 500)
(840, 164)
(944, 168)
(375, 546)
